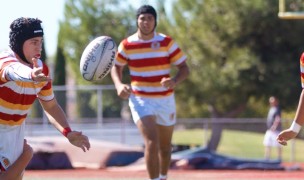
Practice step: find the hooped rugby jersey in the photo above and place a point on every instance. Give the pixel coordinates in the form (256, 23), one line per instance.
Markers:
(18, 91)
(302, 69)
(149, 62)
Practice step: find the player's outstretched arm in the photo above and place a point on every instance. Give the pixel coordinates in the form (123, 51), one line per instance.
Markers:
(296, 125)
(20, 72)
(57, 117)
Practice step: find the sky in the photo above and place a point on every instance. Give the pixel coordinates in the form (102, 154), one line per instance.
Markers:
(49, 11)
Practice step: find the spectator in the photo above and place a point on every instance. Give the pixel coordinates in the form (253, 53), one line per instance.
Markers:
(274, 126)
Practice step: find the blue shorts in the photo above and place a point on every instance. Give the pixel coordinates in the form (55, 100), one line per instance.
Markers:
(163, 108)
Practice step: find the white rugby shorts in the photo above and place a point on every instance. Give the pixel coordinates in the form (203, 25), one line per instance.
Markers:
(11, 144)
(163, 108)
(270, 139)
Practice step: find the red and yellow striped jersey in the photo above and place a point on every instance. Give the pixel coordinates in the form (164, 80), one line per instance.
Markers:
(302, 69)
(16, 97)
(149, 62)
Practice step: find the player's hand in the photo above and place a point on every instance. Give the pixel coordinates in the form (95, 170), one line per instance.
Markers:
(37, 74)
(27, 150)
(124, 91)
(78, 139)
(285, 136)
(168, 83)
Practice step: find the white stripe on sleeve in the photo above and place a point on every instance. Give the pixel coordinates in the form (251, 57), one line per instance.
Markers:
(18, 72)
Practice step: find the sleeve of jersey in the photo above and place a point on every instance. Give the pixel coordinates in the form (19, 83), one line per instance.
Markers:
(302, 69)
(121, 56)
(176, 55)
(17, 72)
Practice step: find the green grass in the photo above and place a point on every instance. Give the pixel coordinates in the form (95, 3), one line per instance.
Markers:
(239, 144)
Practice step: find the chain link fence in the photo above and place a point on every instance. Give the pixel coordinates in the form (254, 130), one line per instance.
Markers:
(98, 112)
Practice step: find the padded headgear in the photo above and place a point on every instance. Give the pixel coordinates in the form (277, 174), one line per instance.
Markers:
(147, 9)
(23, 29)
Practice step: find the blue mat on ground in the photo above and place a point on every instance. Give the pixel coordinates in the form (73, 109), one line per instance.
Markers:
(202, 158)
(44, 160)
(123, 158)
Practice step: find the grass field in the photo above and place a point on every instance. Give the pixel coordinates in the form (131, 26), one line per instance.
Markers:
(240, 144)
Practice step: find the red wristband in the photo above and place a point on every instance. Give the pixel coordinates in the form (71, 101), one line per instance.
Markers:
(66, 131)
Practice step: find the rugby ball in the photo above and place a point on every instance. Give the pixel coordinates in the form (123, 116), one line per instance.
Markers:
(97, 58)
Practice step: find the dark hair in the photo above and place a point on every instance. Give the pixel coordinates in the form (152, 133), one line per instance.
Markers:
(23, 29)
(147, 9)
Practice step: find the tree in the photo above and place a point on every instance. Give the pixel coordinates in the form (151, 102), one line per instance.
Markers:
(84, 21)
(60, 74)
(238, 50)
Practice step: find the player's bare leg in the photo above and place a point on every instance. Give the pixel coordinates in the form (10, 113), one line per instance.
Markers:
(165, 148)
(148, 128)
(19, 177)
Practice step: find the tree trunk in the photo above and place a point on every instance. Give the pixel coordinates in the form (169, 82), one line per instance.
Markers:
(217, 127)
(216, 135)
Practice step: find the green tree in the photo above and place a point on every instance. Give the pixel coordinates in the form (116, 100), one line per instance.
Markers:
(60, 74)
(84, 21)
(239, 53)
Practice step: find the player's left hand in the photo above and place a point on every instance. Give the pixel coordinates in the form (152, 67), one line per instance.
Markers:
(285, 136)
(168, 83)
(78, 139)
(124, 91)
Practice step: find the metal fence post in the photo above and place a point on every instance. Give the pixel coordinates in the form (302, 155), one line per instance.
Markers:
(206, 126)
(99, 108)
(293, 150)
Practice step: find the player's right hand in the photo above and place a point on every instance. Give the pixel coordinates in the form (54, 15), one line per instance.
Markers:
(285, 136)
(124, 91)
(37, 74)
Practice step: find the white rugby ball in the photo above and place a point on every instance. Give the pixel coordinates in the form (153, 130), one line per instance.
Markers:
(97, 58)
